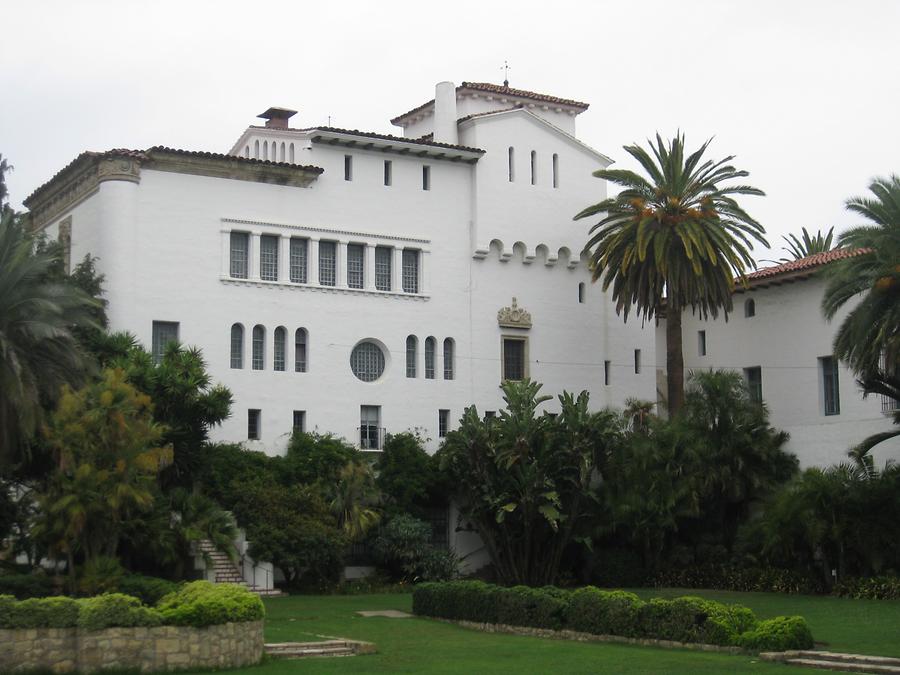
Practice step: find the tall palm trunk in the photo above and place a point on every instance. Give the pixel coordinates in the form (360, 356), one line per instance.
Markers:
(674, 361)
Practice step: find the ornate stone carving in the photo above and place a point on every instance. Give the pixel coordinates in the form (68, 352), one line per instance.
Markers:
(65, 241)
(119, 168)
(514, 316)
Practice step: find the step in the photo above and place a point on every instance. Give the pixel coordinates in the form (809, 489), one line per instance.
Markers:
(296, 650)
(843, 666)
(836, 657)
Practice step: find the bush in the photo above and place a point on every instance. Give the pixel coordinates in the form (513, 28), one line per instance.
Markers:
(778, 635)
(100, 575)
(872, 588)
(27, 586)
(115, 609)
(692, 619)
(459, 600)
(149, 590)
(732, 578)
(591, 610)
(53, 612)
(535, 607)
(438, 565)
(201, 603)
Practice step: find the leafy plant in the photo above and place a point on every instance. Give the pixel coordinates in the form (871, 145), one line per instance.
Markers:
(115, 609)
(201, 603)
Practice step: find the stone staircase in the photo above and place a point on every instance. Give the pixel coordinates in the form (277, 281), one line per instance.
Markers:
(847, 663)
(226, 572)
(299, 650)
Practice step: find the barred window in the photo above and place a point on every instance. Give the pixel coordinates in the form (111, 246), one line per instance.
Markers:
(429, 358)
(754, 383)
(830, 385)
(443, 422)
(355, 265)
(298, 260)
(327, 262)
(257, 361)
(237, 346)
(410, 270)
(300, 350)
(278, 351)
(164, 332)
(240, 247)
(367, 361)
(299, 422)
(268, 258)
(412, 355)
(253, 425)
(514, 359)
(383, 255)
(448, 359)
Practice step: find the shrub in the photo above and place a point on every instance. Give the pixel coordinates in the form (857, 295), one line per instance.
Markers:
(100, 575)
(149, 590)
(872, 588)
(115, 609)
(778, 634)
(27, 586)
(535, 607)
(458, 600)
(732, 578)
(201, 603)
(438, 565)
(53, 612)
(591, 610)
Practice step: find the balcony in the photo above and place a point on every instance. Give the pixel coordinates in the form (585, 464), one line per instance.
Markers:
(371, 437)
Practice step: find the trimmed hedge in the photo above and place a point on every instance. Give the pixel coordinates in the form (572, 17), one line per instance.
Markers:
(201, 603)
(872, 588)
(148, 590)
(53, 612)
(115, 609)
(591, 610)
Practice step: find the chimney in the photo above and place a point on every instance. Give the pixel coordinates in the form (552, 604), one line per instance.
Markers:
(277, 118)
(445, 130)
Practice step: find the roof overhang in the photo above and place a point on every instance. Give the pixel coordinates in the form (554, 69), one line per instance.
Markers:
(395, 145)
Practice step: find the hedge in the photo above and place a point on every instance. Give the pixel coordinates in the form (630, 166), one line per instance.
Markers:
(591, 610)
(196, 604)
(872, 588)
(27, 586)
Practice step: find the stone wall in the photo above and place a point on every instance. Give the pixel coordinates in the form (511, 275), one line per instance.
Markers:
(149, 649)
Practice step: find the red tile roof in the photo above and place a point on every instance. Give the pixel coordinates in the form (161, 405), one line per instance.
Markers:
(503, 91)
(382, 137)
(808, 264)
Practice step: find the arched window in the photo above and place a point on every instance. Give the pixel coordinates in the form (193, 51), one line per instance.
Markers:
(512, 164)
(291, 153)
(282, 151)
(412, 355)
(448, 359)
(429, 358)
(750, 308)
(237, 346)
(256, 149)
(555, 170)
(533, 167)
(278, 350)
(265, 150)
(258, 359)
(246, 151)
(300, 350)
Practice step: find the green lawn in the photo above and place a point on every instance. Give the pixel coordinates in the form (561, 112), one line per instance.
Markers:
(424, 646)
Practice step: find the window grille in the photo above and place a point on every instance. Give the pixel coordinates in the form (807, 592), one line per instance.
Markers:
(278, 351)
(237, 346)
(831, 390)
(448, 359)
(298, 260)
(268, 258)
(355, 265)
(327, 262)
(410, 271)
(412, 349)
(367, 361)
(259, 348)
(299, 425)
(164, 332)
(429, 358)
(383, 256)
(754, 383)
(300, 349)
(443, 422)
(513, 359)
(369, 427)
(253, 424)
(240, 246)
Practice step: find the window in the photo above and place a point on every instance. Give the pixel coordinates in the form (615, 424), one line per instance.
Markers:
(300, 350)
(383, 256)
(429, 358)
(512, 164)
(701, 342)
(164, 332)
(279, 347)
(514, 359)
(426, 177)
(348, 167)
(637, 361)
(410, 270)
(291, 153)
(256, 149)
(581, 292)
(443, 422)
(533, 167)
(448, 359)
(268, 258)
(299, 248)
(412, 355)
(369, 427)
(754, 383)
(750, 308)
(830, 388)
(237, 346)
(327, 262)
(555, 170)
(607, 368)
(253, 424)
(367, 361)
(388, 172)
(299, 424)
(257, 361)
(240, 246)
(355, 264)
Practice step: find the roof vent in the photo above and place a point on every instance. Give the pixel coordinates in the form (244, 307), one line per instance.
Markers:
(277, 118)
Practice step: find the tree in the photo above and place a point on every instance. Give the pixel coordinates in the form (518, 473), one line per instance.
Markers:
(4, 192)
(807, 245)
(673, 241)
(38, 351)
(353, 499)
(408, 477)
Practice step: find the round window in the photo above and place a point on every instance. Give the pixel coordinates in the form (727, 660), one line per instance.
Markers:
(367, 361)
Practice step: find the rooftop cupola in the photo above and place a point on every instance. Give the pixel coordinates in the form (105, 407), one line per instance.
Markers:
(277, 118)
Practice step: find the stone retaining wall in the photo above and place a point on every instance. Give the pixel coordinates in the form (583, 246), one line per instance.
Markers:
(161, 648)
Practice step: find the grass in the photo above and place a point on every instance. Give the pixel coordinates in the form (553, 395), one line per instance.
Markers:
(425, 646)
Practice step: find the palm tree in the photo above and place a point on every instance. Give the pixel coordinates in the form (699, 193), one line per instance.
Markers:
(807, 245)
(353, 500)
(4, 193)
(38, 352)
(674, 241)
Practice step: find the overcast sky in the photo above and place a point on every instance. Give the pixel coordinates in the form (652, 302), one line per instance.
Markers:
(805, 94)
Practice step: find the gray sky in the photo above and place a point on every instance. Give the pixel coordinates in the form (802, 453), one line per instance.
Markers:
(805, 94)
